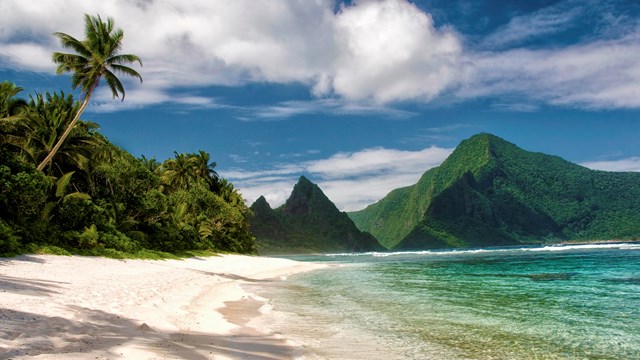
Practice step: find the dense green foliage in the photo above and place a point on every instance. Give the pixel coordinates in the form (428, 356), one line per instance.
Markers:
(307, 223)
(94, 198)
(490, 192)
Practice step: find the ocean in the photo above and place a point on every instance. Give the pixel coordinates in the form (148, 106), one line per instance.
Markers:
(547, 302)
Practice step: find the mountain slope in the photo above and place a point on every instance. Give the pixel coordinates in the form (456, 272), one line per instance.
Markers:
(307, 223)
(490, 192)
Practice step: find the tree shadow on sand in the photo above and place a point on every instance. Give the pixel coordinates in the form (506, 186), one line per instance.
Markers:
(28, 258)
(33, 287)
(33, 334)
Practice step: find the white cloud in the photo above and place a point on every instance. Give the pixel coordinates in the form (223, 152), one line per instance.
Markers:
(543, 22)
(139, 97)
(365, 54)
(29, 56)
(629, 164)
(598, 75)
(351, 180)
(390, 51)
(287, 109)
(377, 161)
(358, 193)
(383, 50)
(275, 191)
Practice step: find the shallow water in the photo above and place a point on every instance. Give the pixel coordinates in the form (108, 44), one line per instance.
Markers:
(560, 302)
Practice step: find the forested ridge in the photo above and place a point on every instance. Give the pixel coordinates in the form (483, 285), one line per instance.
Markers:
(490, 192)
(308, 222)
(95, 197)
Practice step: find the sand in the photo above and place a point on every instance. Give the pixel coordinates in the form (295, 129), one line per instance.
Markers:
(72, 307)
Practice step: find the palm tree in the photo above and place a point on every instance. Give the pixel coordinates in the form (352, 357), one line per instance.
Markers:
(9, 104)
(95, 57)
(178, 172)
(10, 108)
(151, 164)
(45, 118)
(204, 169)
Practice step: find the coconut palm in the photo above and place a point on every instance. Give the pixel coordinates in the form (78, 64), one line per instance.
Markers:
(152, 164)
(178, 172)
(204, 168)
(45, 118)
(95, 57)
(10, 108)
(9, 104)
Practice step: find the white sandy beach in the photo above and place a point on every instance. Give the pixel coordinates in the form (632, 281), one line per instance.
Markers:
(71, 307)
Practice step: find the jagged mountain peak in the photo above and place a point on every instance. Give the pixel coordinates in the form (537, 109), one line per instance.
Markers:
(262, 201)
(307, 196)
(307, 222)
(261, 205)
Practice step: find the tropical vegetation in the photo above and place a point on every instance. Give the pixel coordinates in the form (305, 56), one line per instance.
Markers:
(95, 57)
(93, 197)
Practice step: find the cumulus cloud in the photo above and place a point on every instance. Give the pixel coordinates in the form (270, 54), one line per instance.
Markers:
(365, 53)
(351, 180)
(390, 51)
(629, 164)
(29, 56)
(382, 50)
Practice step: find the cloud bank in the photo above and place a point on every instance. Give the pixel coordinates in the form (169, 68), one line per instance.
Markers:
(377, 51)
(629, 164)
(370, 51)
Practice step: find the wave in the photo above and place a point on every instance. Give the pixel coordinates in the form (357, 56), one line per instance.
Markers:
(545, 248)
(400, 253)
(625, 246)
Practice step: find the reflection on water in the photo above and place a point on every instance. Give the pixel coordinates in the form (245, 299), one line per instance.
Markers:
(569, 302)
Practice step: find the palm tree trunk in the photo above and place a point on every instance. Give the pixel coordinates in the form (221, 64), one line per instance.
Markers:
(66, 133)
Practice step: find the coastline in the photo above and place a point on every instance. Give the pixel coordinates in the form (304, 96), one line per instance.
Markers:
(72, 307)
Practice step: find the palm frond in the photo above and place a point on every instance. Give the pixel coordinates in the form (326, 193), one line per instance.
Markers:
(114, 43)
(68, 62)
(124, 58)
(69, 42)
(126, 70)
(62, 183)
(77, 196)
(114, 84)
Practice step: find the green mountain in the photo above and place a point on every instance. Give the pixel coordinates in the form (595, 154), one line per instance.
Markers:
(307, 223)
(489, 192)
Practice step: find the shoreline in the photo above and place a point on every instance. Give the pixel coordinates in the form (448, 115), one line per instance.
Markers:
(73, 307)
(596, 242)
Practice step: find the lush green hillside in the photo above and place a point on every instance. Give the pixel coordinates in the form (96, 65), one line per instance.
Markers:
(95, 198)
(307, 223)
(65, 187)
(490, 192)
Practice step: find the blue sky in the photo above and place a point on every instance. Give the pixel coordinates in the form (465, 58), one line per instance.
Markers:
(360, 96)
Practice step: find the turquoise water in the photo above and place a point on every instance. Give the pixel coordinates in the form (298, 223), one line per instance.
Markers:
(561, 302)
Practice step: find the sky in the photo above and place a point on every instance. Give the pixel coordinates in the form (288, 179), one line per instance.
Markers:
(360, 96)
